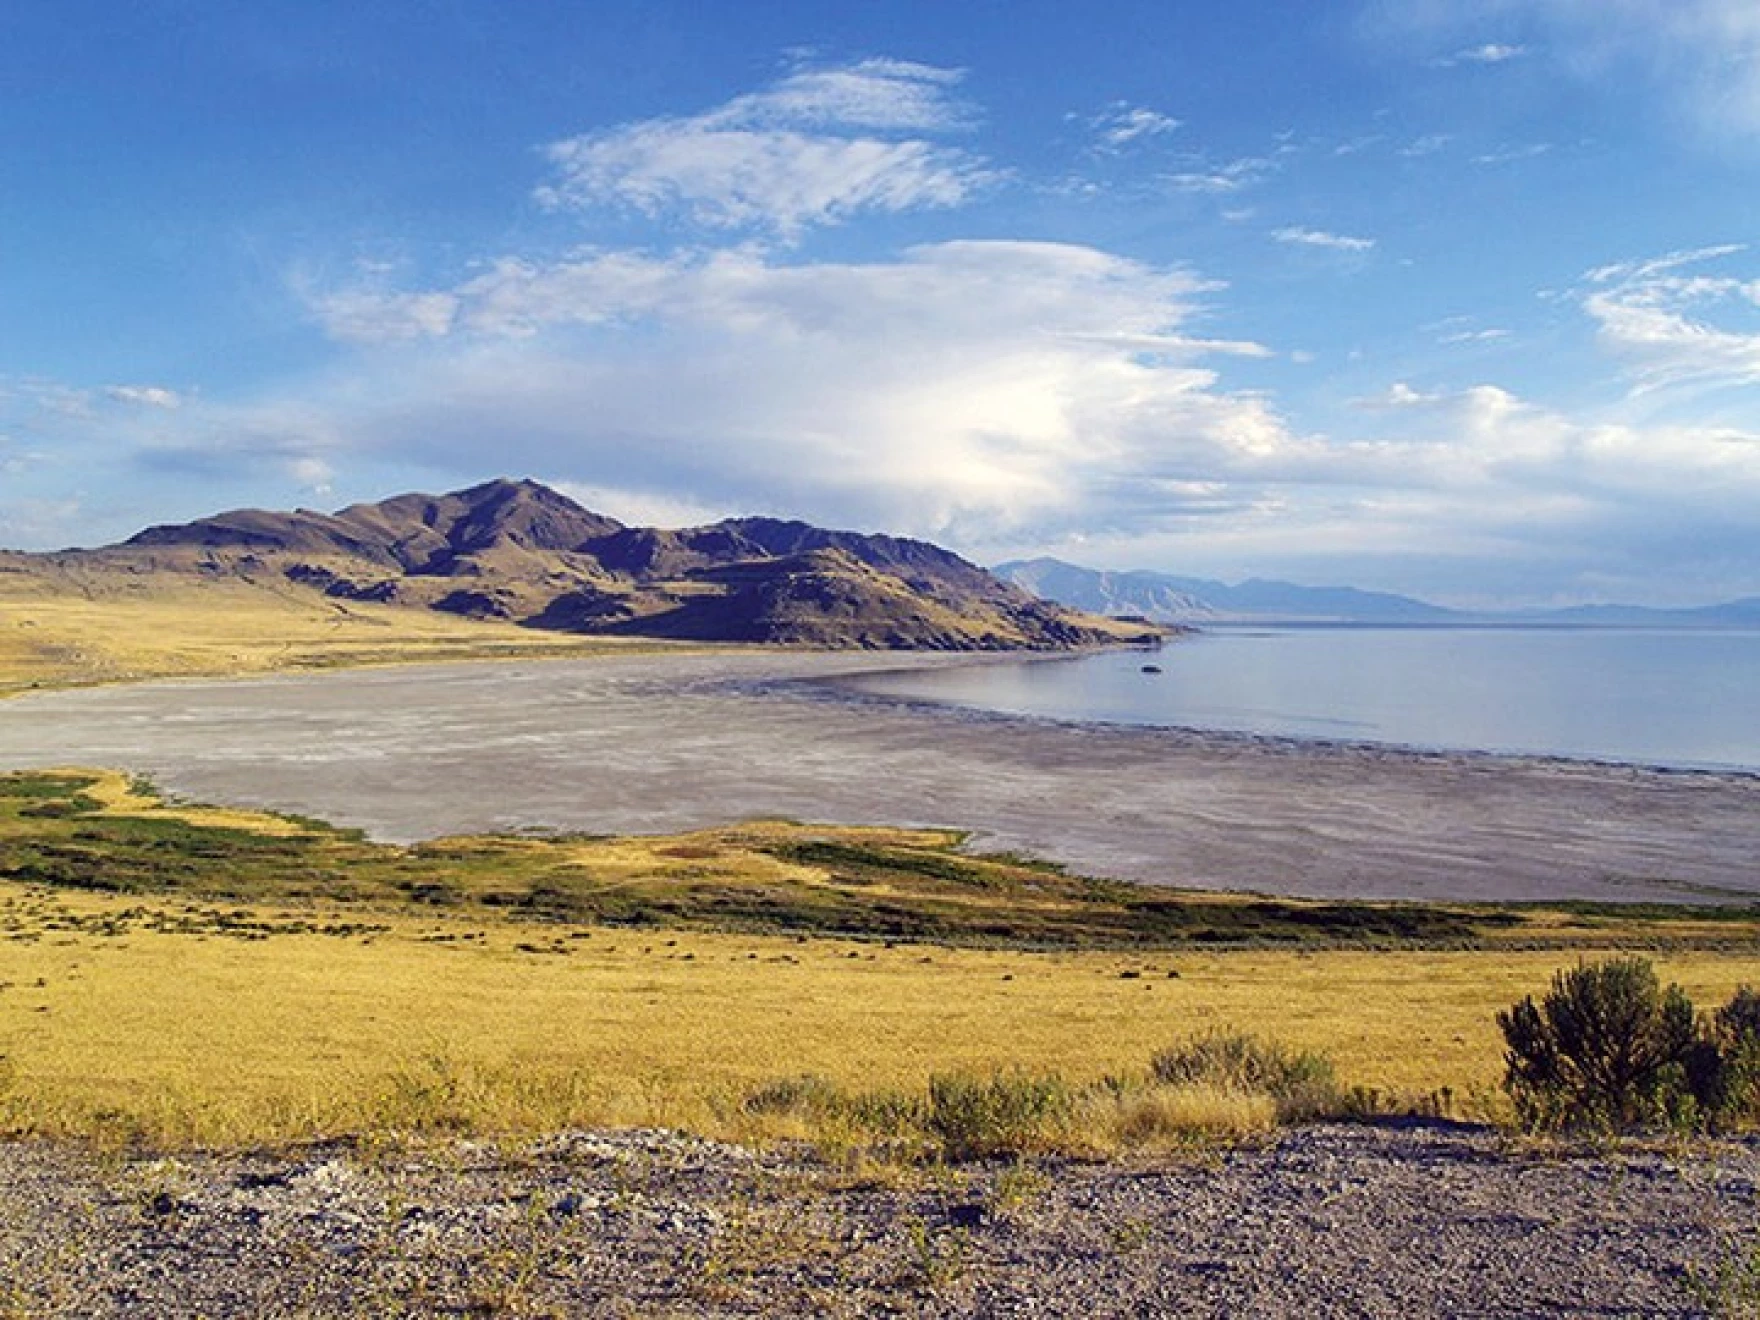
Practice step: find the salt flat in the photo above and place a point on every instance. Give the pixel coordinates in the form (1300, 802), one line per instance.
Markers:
(663, 743)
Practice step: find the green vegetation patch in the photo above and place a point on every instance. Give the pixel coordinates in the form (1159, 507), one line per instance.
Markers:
(44, 786)
(57, 830)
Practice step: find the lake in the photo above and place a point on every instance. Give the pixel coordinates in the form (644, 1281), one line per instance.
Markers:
(1674, 698)
(663, 743)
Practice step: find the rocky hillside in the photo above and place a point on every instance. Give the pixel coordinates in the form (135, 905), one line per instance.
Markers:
(521, 552)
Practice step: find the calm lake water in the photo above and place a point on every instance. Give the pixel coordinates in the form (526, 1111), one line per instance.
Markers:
(1686, 699)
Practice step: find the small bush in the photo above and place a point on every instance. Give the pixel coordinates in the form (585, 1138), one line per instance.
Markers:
(1005, 1114)
(1734, 1044)
(1300, 1082)
(807, 1096)
(1608, 1049)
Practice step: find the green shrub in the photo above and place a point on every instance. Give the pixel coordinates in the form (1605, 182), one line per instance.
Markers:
(1301, 1082)
(1004, 1114)
(1608, 1049)
(1734, 1043)
(807, 1095)
(79, 804)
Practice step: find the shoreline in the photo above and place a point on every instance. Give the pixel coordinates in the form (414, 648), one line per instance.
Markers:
(660, 743)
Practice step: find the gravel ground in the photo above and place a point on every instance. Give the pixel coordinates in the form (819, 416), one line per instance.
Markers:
(1413, 1220)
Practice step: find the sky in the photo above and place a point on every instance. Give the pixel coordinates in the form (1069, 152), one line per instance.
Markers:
(1457, 298)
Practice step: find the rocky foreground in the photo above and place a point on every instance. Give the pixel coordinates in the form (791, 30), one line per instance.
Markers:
(1419, 1220)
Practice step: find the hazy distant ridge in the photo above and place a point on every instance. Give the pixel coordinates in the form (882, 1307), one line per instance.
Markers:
(1167, 598)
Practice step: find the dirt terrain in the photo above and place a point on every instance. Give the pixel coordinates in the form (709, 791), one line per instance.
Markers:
(1395, 1221)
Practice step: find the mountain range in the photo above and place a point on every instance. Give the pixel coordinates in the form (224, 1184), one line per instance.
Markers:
(522, 552)
(1169, 599)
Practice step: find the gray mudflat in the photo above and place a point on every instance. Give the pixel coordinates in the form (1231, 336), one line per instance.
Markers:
(662, 743)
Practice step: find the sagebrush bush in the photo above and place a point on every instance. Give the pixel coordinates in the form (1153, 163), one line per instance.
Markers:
(1003, 1114)
(1735, 1041)
(1609, 1048)
(1300, 1082)
(807, 1095)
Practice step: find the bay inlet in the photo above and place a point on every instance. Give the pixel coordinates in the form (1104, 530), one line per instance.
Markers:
(1673, 698)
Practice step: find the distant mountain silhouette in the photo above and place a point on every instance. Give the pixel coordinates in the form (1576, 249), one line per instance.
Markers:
(1743, 613)
(1172, 600)
(522, 552)
(1184, 600)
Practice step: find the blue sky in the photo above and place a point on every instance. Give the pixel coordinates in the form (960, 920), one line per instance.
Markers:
(1453, 297)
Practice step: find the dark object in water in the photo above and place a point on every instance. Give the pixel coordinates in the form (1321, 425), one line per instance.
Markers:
(1151, 669)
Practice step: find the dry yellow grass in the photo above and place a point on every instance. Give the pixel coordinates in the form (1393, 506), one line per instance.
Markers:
(58, 637)
(192, 1037)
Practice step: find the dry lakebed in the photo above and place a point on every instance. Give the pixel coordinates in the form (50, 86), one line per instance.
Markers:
(666, 742)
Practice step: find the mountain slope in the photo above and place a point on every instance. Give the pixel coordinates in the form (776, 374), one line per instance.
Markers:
(520, 552)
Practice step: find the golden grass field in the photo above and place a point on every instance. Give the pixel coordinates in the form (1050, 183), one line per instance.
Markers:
(205, 1036)
(53, 635)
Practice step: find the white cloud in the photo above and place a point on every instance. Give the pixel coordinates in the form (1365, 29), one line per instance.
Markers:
(366, 316)
(814, 149)
(312, 472)
(1509, 155)
(1233, 177)
(1124, 124)
(149, 396)
(1320, 238)
(1658, 315)
(872, 93)
(1702, 56)
(1397, 395)
(647, 508)
(1490, 52)
(1480, 493)
(995, 394)
(1486, 336)
(968, 384)
(1427, 145)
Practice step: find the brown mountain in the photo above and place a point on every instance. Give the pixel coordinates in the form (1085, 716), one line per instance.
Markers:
(521, 552)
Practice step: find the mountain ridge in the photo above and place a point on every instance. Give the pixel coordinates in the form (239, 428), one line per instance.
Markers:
(519, 551)
(1171, 599)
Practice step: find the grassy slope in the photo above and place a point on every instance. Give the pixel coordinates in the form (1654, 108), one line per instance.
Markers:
(93, 830)
(76, 629)
(217, 976)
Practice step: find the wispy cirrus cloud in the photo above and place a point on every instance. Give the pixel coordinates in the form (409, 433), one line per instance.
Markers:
(1232, 177)
(1490, 52)
(1299, 236)
(1660, 317)
(149, 396)
(1510, 155)
(816, 148)
(1122, 124)
(1488, 335)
